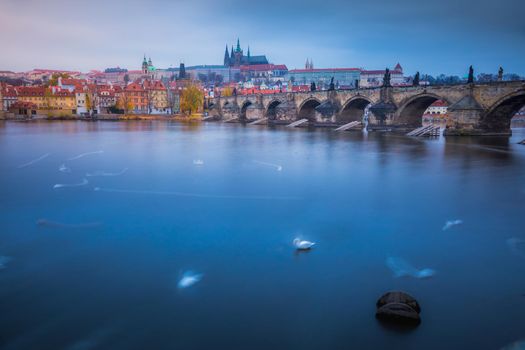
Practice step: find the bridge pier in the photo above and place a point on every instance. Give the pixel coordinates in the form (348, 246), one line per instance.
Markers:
(254, 111)
(230, 110)
(326, 113)
(382, 114)
(466, 119)
(285, 113)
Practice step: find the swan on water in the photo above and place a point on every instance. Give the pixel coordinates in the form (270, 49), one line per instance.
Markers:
(451, 223)
(64, 168)
(188, 279)
(302, 244)
(402, 268)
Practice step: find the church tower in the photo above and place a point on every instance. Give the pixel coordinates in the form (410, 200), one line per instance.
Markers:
(144, 65)
(182, 71)
(226, 57)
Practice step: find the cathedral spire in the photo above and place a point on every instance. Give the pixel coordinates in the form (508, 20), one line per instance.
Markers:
(226, 56)
(238, 49)
(248, 51)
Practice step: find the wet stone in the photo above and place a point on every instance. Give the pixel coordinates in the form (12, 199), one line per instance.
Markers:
(398, 307)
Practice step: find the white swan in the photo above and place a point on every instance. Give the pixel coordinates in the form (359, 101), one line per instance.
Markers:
(302, 245)
(402, 268)
(451, 223)
(188, 279)
(64, 168)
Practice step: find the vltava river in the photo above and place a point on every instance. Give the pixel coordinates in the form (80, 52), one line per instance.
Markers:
(152, 235)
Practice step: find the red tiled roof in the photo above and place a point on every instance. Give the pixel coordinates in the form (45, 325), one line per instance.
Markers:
(63, 93)
(31, 90)
(134, 87)
(153, 85)
(9, 91)
(439, 103)
(71, 81)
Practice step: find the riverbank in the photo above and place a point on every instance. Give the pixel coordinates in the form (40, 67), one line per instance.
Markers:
(104, 117)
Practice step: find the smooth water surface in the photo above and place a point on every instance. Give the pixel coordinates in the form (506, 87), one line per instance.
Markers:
(169, 236)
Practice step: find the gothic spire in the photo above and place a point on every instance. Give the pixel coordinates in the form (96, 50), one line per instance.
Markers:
(226, 56)
(248, 51)
(238, 49)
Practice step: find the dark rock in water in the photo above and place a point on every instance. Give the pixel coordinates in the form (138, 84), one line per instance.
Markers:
(398, 297)
(398, 307)
(397, 312)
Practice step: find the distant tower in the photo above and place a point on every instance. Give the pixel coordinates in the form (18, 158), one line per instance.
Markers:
(182, 71)
(144, 65)
(249, 54)
(226, 57)
(311, 64)
(150, 64)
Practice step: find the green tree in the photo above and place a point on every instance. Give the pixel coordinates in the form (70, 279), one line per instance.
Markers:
(88, 102)
(54, 78)
(415, 82)
(470, 79)
(191, 99)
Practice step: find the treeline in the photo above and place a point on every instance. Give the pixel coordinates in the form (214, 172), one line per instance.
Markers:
(443, 79)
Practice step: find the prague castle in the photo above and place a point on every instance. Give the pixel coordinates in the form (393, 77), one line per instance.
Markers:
(236, 58)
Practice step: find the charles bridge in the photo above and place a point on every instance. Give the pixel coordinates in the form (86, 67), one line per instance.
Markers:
(474, 108)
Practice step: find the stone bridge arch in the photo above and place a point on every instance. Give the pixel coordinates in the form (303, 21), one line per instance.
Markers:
(226, 103)
(498, 117)
(270, 111)
(410, 111)
(353, 109)
(244, 106)
(306, 109)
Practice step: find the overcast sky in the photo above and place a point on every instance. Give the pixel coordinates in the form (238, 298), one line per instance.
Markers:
(433, 37)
